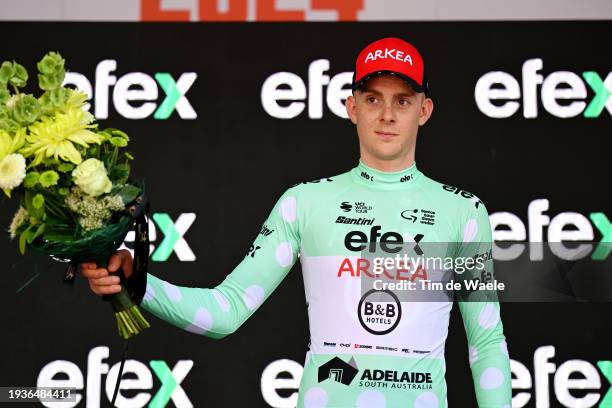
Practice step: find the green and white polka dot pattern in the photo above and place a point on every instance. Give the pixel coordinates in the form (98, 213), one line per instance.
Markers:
(348, 365)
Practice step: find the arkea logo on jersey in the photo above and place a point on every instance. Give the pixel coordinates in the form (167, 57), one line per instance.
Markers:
(498, 94)
(135, 94)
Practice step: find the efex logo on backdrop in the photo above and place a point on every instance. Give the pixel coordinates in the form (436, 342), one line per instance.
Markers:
(562, 227)
(563, 94)
(136, 95)
(71, 376)
(174, 237)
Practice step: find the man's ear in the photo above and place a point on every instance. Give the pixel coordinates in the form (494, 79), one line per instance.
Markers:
(351, 108)
(426, 111)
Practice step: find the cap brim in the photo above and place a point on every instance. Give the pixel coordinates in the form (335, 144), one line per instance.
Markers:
(418, 88)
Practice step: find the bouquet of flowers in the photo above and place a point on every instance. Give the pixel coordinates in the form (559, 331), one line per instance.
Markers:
(77, 201)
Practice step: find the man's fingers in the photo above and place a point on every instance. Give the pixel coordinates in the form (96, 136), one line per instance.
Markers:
(105, 290)
(105, 281)
(94, 273)
(114, 263)
(89, 265)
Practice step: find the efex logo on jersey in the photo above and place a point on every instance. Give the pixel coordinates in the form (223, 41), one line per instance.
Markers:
(390, 242)
(463, 193)
(563, 93)
(134, 93)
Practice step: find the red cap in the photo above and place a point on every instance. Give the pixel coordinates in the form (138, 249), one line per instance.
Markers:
(391, 56)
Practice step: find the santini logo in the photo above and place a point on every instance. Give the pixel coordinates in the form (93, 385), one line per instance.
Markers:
(563, 93)
(135, 94)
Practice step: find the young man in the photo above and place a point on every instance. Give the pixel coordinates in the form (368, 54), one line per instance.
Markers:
(365, 351)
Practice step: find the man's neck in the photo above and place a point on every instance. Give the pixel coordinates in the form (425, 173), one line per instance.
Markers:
(392, 165)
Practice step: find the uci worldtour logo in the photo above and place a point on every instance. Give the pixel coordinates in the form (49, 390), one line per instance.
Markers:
(563, 94)
(135, 95)
(173, 240)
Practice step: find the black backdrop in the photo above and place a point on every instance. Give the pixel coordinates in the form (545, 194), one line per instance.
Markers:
(230, 164)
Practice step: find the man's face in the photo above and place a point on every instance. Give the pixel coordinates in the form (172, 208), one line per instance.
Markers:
(388, 113)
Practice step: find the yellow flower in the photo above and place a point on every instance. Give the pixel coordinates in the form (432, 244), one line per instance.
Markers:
(12, 172)
(54, 137)
(10, 144)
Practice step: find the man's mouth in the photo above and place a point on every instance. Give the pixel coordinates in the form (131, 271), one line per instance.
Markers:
(385, 135)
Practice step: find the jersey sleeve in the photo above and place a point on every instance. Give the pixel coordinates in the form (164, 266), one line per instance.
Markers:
(480, 310)
(219, 311)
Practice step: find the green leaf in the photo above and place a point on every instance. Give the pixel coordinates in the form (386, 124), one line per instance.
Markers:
(61, 235)
(128, 193)
(65, 167)
(111, 159)
(22, 242)
(6, 72)
(128, 156)
(39, 231)
(120, 174)
(4, 94)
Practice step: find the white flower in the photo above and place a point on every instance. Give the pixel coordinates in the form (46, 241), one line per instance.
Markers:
(12, 171)
(92, 178)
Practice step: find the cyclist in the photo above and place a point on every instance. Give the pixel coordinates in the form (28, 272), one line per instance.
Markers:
(368, 348)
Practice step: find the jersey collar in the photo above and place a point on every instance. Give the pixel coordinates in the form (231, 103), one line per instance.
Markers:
(382, 179)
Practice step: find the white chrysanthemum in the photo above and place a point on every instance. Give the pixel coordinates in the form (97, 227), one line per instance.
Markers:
(19, 218)
(12, 171)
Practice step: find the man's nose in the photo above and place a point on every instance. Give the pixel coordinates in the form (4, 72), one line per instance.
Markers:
(387, 114)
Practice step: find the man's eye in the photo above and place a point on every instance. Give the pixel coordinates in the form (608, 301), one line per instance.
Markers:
(371, 99)
(404, 102)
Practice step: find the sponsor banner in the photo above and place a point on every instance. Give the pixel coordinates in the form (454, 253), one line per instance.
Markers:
(225, 117)
(298, 10)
